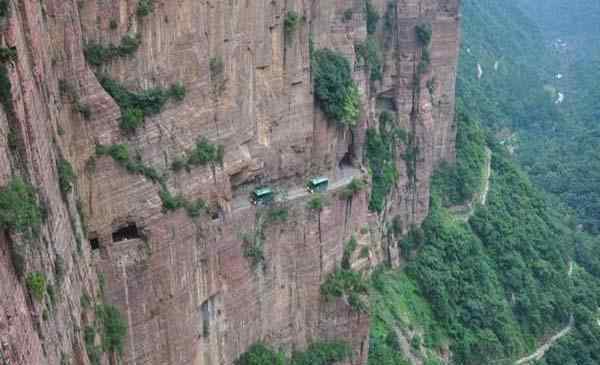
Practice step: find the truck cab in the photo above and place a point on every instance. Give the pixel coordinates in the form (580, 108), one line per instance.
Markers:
(262, 196)
(317, 184)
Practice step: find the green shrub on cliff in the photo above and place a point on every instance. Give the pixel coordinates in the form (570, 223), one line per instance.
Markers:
(370, 53)
(290, 24)
(317, 353)
(114, 328)
(372, 17)
(36, 283)
(136, 106)
(18, 206)
(260, 354)
(145, 7)
(423, 34)
(97, 54)
(335, 90)
(4, 8)
(66, 175)
(347, 283)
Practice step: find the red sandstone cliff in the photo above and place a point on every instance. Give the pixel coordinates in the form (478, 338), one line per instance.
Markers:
(187, 291)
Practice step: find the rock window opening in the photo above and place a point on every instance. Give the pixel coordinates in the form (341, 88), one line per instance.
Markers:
(128, 232)
(94, 244)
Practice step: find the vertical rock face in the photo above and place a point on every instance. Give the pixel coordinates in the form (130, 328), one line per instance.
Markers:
(189, 294)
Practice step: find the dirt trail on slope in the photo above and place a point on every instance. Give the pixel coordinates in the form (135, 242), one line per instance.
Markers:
(465, 212)
(541, 351)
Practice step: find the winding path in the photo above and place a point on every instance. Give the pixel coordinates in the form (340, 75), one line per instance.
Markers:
(541, 351)
(465, 212)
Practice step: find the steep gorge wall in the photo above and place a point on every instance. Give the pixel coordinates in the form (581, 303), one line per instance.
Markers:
(187, 291)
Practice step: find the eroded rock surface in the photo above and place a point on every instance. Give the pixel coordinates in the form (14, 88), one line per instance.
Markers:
(187, 291)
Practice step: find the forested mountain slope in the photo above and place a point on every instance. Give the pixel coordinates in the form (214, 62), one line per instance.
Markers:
(493, 290)
(538, 95)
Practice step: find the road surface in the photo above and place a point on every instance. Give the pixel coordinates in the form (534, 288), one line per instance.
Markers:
(343, 177)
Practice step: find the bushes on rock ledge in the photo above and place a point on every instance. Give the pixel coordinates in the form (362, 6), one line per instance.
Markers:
(136, 106)
(97, 54)
(317, 353)
(18, 206)
(36, 283)
(335, 90)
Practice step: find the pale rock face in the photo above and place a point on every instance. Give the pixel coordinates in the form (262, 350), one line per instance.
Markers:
(187, 291)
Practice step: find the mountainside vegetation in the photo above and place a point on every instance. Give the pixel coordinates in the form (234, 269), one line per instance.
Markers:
(492, 289)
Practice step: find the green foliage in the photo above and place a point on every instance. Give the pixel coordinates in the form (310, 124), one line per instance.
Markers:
(83, 109)
(348, 13)
(316, 203)
(317, 353)
(97, 54)
(370, 53)
(94, 352)
(372, 17)
(253, 247)
(423, 32)
(177, 91)
(277, 214)
(145, 8)
(348, 283)
(66, 175)
(114, 328)
(4, 8)
(6, 94)
(136, 106)
(290, 24)
(458, 183)
(36, 283)
(216, 66)
(19, 210)
(195, 208)
(120, 153)
(260, 354)
(380, 152)
(322, 353)
(513, 250)
(349, 249)
(169, 201)
(397, 304)
(354, 187)
(59, 269)
(389, 18)
(8, 54)
(206, 153)
(335, 90)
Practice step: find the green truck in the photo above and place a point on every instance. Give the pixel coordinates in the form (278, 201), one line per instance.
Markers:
(262, 196)
(317, 184)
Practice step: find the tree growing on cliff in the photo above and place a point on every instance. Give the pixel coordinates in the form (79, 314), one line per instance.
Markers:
(335, 91)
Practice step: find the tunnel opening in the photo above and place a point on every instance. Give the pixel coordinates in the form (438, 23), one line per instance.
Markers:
(129, 232)
(94, 243)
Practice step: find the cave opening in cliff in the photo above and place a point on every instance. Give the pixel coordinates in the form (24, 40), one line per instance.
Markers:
(94, 243)
(129, 232)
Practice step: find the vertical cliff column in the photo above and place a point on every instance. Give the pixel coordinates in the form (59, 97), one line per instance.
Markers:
(418, 84)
